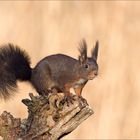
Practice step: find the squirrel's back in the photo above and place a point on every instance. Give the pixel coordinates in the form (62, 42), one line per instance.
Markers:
(14, 65)
(58, 61)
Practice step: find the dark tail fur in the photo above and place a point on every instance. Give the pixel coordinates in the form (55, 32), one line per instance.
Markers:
(14, 65)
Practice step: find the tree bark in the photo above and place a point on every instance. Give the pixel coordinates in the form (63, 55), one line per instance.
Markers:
(49, 118)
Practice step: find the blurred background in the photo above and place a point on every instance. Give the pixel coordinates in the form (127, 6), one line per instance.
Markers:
(49, 27)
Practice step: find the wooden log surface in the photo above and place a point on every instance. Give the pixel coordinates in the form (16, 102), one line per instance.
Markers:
(49, 117)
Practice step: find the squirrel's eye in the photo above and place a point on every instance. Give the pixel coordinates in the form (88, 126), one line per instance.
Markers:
(86, 66)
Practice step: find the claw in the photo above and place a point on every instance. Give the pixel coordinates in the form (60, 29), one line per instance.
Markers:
(69, 99)
(83, 100)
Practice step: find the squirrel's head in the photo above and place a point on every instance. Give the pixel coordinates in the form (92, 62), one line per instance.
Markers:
(88, 67)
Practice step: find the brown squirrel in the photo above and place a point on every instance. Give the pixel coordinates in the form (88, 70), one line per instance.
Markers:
(54, 73)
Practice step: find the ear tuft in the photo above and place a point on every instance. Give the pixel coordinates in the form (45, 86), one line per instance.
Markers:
(94, 52)
(83, 51)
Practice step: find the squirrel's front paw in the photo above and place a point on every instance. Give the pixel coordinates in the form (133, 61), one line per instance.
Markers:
(83, 100)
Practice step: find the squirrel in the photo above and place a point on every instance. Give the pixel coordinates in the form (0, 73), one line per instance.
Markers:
(54, 73)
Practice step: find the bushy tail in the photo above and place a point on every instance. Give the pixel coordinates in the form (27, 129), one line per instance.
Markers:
(14, 65)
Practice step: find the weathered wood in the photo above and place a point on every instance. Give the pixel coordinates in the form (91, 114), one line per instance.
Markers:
(49, 117)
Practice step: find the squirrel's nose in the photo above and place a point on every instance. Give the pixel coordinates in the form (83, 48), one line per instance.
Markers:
(95, 73)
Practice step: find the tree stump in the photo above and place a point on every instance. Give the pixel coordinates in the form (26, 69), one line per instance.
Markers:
(49, 118)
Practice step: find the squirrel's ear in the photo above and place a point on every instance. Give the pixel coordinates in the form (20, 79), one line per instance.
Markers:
(83, 51)
(94, 52)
